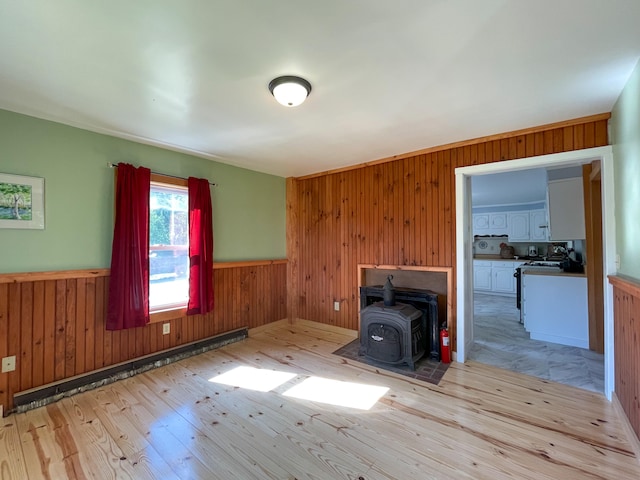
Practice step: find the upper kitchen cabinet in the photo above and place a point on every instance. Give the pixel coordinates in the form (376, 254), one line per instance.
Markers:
(519, 227)
(480, 223)
(498, 223)
(538, 226)
(566, 209)
(490, 224)
(529, 225)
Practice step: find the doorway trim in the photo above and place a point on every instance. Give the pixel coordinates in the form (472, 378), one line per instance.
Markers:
(464, 242)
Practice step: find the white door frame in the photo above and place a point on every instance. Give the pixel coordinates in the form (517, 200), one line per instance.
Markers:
(464, 242)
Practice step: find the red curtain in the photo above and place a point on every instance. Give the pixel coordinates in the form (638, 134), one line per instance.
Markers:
(129, 283)
(200, 247)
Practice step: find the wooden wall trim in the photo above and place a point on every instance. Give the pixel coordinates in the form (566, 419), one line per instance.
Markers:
(626, 284)
(104, 272)
(53, 275)
(465, 143)
(592, 189)
(249, 263)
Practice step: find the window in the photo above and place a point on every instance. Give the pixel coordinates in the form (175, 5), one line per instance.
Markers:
(168, 244)
(162, 249)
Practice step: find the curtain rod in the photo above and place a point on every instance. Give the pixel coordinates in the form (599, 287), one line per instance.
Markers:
(115, 165)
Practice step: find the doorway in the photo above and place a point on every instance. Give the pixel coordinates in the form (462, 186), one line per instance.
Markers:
(510, 210)
(464, 236)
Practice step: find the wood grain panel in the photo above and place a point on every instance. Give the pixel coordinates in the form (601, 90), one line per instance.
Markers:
(400, 211)
(26, 334)
(55, 325)
(626, 312)
(292, 249)
(4, 345)
(592, 189)
(37, 363)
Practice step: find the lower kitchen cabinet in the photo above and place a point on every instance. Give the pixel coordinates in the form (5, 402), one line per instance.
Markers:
(494, 276)
(482, 276)
(503, 280)
(554, 308)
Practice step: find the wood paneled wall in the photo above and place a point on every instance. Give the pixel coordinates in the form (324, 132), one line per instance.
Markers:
(626, 334)
(54, 323)
(397, 211)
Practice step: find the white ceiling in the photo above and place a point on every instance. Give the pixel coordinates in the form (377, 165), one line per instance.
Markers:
(518, 186)
(509, 188)
(388, 77)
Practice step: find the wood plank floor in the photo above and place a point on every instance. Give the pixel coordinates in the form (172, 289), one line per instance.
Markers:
(173, 423)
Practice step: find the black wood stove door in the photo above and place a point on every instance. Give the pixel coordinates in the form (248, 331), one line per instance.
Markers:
(384, 343)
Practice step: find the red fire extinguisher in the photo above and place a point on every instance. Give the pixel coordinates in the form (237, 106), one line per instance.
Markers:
(445, 352)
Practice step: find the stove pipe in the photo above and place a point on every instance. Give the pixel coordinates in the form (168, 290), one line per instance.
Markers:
(388, 293)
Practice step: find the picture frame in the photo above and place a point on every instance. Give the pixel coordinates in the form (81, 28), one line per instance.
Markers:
(21, 202)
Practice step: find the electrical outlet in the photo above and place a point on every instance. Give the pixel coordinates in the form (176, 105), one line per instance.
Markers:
(166, 328)
(9, 364)
(336, 306)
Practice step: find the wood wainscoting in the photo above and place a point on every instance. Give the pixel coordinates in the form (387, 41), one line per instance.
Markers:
(626, 315)
(395, 211)
(54, 322)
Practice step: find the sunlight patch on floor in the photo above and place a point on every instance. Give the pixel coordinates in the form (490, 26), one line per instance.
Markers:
(258, 379)
(315, 389)
(334, 392)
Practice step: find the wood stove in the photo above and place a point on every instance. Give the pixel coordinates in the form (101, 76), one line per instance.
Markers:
(424, 300)
(392, 334)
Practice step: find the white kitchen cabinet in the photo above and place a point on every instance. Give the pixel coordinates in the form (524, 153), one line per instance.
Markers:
(480, 223)
(555, 308)
(494, 276)
(526, 226)
(538, 226)
(566, 209)
(482, 275)
(503, 280)
(498, 222)
(519, 226)
(489, 224)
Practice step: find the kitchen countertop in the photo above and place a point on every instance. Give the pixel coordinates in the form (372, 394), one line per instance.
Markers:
(484, 256)
(553, 272)
(497, 257)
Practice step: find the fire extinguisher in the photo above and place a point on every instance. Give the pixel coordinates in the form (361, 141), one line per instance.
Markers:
(445, 352)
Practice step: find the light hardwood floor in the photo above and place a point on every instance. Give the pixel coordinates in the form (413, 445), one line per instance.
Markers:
(173, 423)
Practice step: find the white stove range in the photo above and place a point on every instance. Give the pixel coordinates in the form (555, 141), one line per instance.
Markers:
(542, 265)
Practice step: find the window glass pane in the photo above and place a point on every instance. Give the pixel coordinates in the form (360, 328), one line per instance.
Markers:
(168, 247)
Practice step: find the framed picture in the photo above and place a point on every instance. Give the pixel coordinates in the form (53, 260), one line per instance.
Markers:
(21, 201)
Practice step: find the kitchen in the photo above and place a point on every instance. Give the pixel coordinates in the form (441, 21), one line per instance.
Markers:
(530, 288)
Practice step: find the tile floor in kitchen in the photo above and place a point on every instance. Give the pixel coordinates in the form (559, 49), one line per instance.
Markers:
(501, 341)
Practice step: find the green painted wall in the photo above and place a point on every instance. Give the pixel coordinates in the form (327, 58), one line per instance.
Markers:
(249, 208)
(625, 129)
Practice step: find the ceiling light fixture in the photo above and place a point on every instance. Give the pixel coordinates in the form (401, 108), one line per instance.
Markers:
(290, 91)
